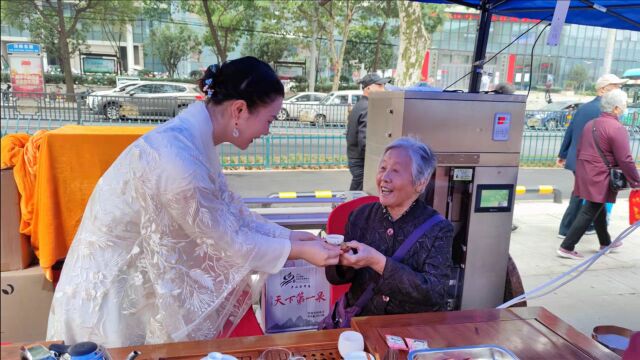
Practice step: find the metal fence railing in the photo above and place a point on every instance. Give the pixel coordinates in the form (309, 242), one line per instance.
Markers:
(302, 138)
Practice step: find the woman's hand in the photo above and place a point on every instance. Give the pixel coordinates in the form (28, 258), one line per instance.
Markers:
(316, 252)
(366, 257)
(302, 236)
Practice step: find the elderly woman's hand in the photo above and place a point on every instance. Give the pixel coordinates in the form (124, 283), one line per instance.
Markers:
(363, 256)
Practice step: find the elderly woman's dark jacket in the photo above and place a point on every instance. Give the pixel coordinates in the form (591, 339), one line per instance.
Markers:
(418, 283)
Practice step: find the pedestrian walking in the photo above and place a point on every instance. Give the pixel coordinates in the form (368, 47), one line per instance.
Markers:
(567, 154)
(604, 145)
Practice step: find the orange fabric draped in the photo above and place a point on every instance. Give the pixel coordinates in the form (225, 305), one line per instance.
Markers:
(11, 149)
(72, 160)
(21, 152)
(56, 172)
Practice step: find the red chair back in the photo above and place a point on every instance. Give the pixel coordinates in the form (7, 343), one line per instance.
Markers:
(248, 326)
(336, 224)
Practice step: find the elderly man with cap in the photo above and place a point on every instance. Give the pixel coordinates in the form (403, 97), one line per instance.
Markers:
(568, 149)
(357, 128)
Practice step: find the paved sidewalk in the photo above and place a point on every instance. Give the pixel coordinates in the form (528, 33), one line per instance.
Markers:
(606, 294)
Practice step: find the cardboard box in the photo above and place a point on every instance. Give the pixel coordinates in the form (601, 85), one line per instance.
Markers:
(296, 298)
(24, 309)
(15, 248)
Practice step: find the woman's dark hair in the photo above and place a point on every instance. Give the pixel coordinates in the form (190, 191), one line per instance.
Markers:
(246, 78)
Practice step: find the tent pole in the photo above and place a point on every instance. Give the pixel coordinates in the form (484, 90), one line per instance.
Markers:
(480, 49)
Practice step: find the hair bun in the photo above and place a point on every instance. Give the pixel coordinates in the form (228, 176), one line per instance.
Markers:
(247, 78)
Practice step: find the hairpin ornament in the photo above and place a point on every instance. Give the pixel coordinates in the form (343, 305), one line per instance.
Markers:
(207, 87)
(208, 82)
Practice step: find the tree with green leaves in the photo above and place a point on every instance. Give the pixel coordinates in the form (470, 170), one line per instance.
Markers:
(227, 20)
(364, 47)
(173, 44)
(273, 37)
(269, 48)
(579, 75)
(337, 18)
(300, 19)
(417, 23)
(60, 26)
(116, 31)
(379, 17)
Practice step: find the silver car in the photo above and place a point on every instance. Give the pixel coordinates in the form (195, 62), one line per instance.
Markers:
(333, 109)
(291, 106)
(92, 100)
(153, 100)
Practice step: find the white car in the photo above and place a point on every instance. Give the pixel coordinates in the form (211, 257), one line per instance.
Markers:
(333, 109)
(291, 106)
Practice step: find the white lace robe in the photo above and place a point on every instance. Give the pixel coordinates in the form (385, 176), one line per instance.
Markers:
(165, 251)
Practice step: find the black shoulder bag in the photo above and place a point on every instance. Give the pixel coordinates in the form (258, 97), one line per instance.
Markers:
(617, 181)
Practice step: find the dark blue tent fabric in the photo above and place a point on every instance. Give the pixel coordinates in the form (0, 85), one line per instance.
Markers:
(616, 14)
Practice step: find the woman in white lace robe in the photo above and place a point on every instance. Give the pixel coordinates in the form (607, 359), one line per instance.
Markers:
(165, 250)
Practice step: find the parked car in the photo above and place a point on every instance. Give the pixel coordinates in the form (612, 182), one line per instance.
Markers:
(146, 100)
(291, 106)
(92, 99)
(552, 116)
(333, 109)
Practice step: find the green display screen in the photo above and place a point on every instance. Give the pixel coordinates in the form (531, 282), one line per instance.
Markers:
(492, 198)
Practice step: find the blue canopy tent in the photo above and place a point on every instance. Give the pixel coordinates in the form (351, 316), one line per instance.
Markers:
(616, 14)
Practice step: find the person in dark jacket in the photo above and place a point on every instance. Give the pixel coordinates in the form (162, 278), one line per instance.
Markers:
(567, 154)
(592, 174)
(357, 128)
(418, 282)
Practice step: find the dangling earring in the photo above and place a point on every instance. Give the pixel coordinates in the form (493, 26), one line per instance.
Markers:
(235, 132)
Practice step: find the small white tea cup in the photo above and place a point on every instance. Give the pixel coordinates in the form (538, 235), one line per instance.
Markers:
(334, 239)
(359, 355)
(350, 341)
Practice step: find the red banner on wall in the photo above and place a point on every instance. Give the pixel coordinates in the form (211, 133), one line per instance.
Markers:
(26, 75)
(511, 68)
(494, 18)
(425, 67)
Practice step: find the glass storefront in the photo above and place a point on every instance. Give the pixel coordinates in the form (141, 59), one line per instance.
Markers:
(580, 46)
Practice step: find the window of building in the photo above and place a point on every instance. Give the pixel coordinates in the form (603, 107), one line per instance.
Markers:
(136, 55)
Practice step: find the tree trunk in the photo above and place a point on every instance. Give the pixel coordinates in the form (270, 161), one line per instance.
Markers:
(225, 46)
(333, 56)
(376, 58)
(414, 41)
(220, 51)
(314, 53)
(345, 36)
(65, 56)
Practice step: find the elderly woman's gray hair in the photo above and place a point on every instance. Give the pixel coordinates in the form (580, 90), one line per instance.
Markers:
(423, 160)
(612, 99)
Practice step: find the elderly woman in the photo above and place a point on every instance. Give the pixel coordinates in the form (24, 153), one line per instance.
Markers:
(592, 174)
(418, 282)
